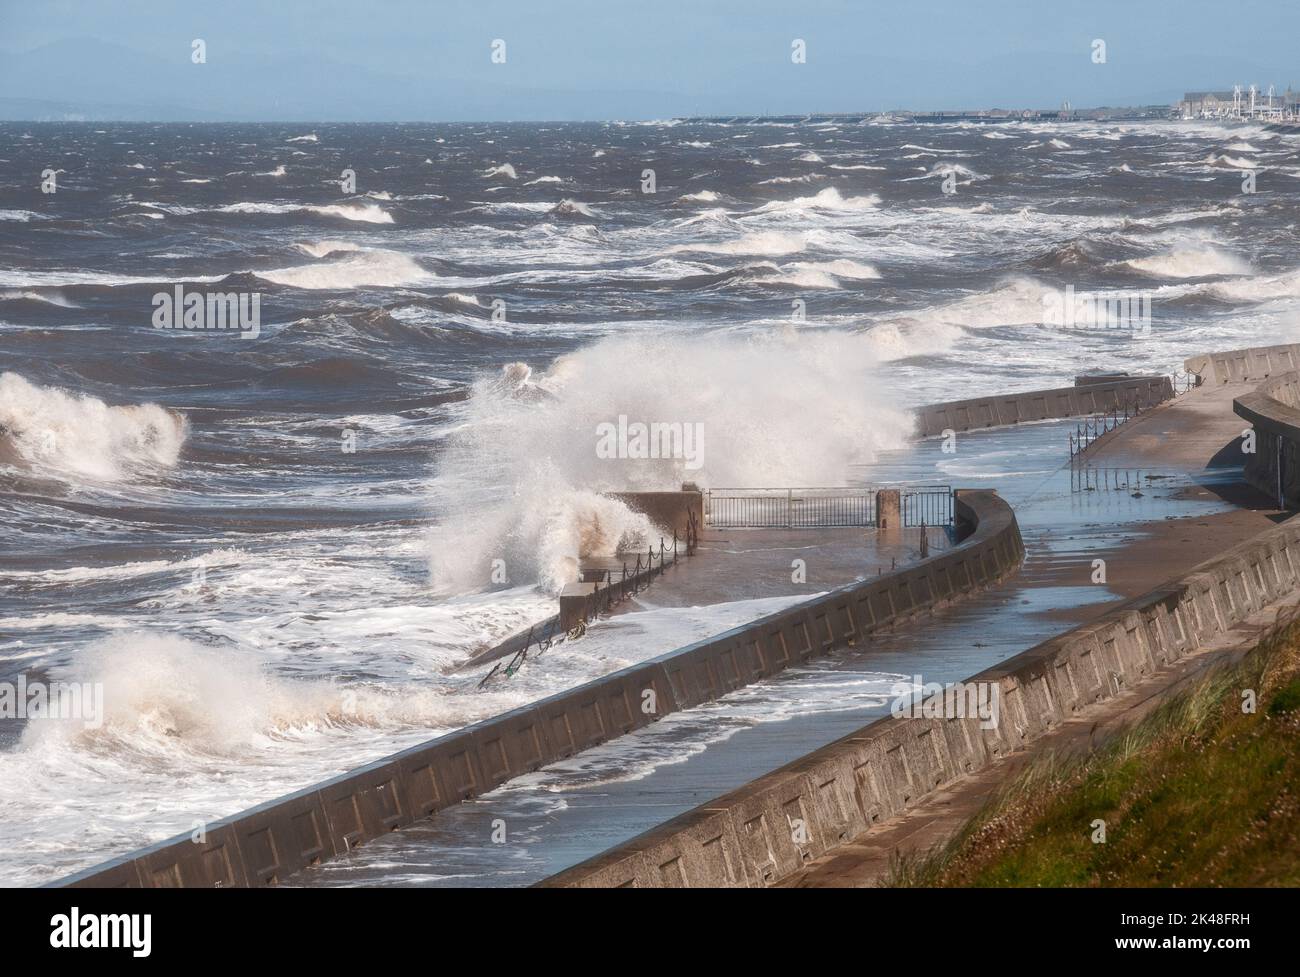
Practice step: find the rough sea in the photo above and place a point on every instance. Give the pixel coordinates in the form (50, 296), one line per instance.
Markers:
(271, 552)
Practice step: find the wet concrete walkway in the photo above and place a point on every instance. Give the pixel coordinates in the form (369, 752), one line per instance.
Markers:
(867, 861)
(742, 564)
(1199, 432)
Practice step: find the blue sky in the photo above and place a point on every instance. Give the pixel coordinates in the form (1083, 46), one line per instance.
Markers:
(402, 59)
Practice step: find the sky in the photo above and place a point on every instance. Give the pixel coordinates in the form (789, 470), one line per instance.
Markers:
(416, 60)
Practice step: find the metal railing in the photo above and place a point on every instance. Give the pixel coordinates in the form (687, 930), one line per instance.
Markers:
(927, 505)
(1091, 428)
(789, 508)
(633, 579)
(1089, 479)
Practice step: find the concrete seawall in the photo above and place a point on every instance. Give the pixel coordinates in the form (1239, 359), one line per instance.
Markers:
(1239, 365)
(1273, 410)
(1039, 405)
(672, 511)
(272, 841)
(769, 829)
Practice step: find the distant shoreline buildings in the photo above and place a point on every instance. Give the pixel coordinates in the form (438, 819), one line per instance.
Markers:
(1249, 104)
(1241, 104)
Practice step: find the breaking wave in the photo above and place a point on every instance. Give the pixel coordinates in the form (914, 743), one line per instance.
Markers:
(828, 199)
(767, 243)
(65, 434)
(1191, 263)
(385, 269)
(366, 213)
(521, 480)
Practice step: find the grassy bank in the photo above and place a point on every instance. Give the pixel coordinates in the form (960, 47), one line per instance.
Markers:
(1201, 793)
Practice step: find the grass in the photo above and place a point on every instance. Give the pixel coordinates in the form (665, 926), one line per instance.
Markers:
(1200, 793)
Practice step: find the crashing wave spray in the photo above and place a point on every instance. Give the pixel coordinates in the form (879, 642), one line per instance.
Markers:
(66, 434)
(522, 478)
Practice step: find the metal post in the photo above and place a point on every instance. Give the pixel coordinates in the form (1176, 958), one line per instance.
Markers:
(1281, 484)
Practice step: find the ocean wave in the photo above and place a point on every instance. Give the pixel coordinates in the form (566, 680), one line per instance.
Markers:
(768, 273)
(1192, 262)
(840, 268)
(520, 479)
(931, 149)
(364, 213)
(807, 274)
(505, 169)
(573, 208)
(319, 249)
(378, 268)
(57, 432)
(165, 695)
(1262, 288)
(828, 199)
(755, 243)
(22, 216)
(47, 298)
(1079, 253)
(1014, 301)
(1232, 162)
(700, 197)
(943, 170)
(781, 180)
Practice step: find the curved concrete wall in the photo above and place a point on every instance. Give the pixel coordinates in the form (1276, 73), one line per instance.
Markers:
(1040, 405)
(839, 792)
(268, 843)
(1237, 365)
(1271, 409)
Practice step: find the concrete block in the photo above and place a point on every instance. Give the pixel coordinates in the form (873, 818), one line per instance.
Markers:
(363, 804)
(282, 837)
(182, 863)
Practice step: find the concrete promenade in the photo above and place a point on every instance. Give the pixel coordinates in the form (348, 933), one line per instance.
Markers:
(574, 810)
(1197, 432)
(741, 564)
(866, 861)
(1196, 437)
